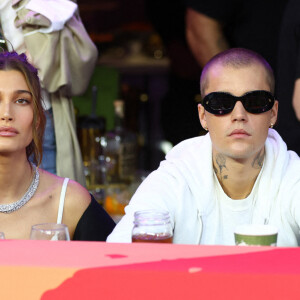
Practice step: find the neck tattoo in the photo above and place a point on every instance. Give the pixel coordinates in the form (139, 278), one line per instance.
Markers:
(9, 208)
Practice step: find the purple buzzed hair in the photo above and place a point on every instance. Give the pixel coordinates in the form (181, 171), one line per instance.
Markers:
(236, 58)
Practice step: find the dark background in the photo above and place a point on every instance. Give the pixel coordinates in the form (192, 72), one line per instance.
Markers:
(119, 28)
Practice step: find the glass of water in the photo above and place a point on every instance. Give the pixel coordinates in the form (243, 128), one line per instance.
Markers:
(50, 231)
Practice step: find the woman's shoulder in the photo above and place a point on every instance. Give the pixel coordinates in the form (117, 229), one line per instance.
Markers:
(76, 200)
(79, 195)
(76, 195)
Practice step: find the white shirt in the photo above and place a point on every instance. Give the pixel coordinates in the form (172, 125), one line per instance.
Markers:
(227, 214)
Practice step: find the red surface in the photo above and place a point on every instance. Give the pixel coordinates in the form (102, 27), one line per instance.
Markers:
(95, 270)
(261, 275)
(93, 254)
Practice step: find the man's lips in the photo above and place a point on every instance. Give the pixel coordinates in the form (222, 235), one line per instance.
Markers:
(241, 132)
(8, 131)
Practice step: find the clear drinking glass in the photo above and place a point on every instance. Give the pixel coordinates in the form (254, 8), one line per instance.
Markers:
(50, 231)
(2, 235)
(152, 226)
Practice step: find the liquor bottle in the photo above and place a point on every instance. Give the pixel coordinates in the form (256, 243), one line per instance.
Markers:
(120, 149)
(89, 129)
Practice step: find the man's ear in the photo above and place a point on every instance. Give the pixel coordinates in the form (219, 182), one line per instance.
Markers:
(202, 116)
(274, 112)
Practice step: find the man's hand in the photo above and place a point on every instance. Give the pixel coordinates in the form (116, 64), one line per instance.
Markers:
(204, 35)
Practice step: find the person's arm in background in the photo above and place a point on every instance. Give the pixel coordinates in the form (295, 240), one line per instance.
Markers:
(204, 35)
(296, 98)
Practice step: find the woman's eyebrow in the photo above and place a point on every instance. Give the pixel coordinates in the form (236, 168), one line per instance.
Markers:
(23, 91)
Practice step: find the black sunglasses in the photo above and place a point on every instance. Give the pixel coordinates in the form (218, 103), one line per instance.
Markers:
(255, 102)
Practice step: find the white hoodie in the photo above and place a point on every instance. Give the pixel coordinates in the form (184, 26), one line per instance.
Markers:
(184, 185)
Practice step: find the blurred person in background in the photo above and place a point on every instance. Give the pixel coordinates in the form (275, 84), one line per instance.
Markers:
(213, 26)
(288, 77)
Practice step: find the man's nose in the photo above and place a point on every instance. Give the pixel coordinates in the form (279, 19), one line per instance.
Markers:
(239, 113)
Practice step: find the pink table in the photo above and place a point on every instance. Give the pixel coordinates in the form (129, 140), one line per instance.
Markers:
(96, 270)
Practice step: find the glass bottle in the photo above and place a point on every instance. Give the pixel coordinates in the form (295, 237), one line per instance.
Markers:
(120, 149)
(89, 130)
(152, 226)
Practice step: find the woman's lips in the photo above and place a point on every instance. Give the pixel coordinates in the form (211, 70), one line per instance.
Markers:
(8, 131)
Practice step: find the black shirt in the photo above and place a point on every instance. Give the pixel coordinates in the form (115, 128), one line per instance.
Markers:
(95, 224)
(288, 125)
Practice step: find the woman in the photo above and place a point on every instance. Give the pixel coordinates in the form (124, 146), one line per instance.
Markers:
(29, 195)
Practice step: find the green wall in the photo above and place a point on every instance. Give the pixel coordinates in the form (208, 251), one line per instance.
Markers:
(107, 81)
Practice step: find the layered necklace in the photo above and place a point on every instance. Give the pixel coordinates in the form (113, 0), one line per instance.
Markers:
(9, 208)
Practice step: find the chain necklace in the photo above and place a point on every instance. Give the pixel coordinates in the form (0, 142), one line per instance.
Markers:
(9, 208)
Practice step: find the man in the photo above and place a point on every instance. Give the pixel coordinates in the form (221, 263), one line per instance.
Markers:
(238, 173)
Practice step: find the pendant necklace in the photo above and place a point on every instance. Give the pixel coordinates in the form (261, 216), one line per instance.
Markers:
(9, 208)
